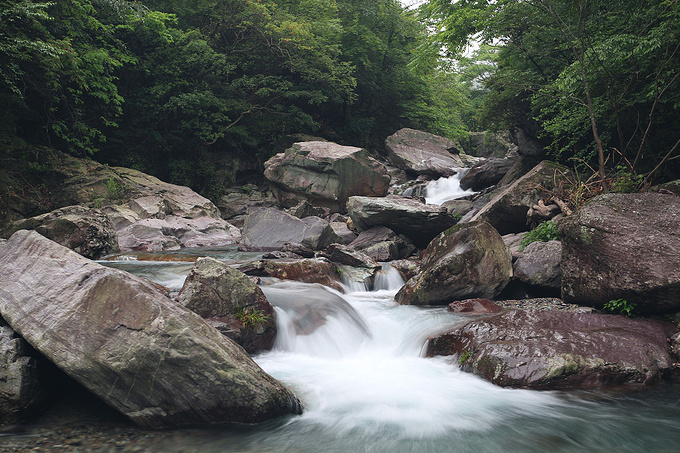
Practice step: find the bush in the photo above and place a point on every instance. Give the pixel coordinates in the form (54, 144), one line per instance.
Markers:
(544, 232)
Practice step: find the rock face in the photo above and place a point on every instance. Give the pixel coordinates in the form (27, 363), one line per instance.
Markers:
(269, 229)
(325, 174)
(420, 222)
(84, 230)
(230, 302)
(539, 265)
(488, 144)
(22, 390)
(560, 350)
(161, 216)
(486, 173)
(623, 246)
(474, 307)
(312, 270)
(507, 210)
(383, 244)
(466, 261)
(422, 153)
(124, 340)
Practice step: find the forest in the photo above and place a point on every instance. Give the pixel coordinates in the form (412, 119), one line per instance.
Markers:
(176, 89)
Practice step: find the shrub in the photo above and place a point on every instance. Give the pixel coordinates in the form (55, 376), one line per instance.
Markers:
(544, 232)
(620, 306)
(251, 318)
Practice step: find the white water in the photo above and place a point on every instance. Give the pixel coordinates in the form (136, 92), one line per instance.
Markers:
(445, 189)
(366, 387)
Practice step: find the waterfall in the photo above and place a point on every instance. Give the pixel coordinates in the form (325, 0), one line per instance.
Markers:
(388, 278)
(445, 189)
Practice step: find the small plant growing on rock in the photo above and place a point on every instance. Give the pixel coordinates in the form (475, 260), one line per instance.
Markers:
(464, 357)
(114, 189)
(620, 306)
(251, 318)
(544, 232)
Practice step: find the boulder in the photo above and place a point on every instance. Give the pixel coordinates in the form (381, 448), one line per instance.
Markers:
(84, 230)
(466, 261)
(560, 349)
(507, 210)
(269, 229)
(311, 270)
(488, 144)
(343, 232)
(305, 209)
(343, 254)
(527, 144)
(120, 337)
(235, 204)
(623, 246)
(539, 265)
(422, 153)
(383, 244)
(420, 222)
(230, 302)
(486, 173)
(22, 385)
(474, 307)
(325, 174)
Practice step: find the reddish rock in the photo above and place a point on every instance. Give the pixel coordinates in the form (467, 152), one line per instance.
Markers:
(474, 307)
(561, 350)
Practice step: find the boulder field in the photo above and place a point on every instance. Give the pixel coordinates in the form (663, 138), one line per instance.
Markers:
(123, 339)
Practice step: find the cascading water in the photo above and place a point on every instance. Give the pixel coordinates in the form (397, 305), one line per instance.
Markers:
(445, 189)
(355, 360)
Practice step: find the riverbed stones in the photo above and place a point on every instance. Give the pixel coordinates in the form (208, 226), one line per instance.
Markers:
(230, 302)
(422, 153)
(268, 229)
(539, 265)
(409, 216)
(86, 231)
(623, 246)
(325, 174)
(464, 262)
(560, 349)
(119, 336)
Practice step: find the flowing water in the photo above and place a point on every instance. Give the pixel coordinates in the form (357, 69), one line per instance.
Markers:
(356, 362)
(445, 189)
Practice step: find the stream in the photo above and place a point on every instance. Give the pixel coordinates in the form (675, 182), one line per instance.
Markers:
(366, 386)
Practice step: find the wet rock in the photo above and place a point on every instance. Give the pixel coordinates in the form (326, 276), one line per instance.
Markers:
(84, 230)
(231, 302)
(623, 246)
(560, 350)
(474, 307)
(383, 244)
(539, 265)
(422, 153)
(344, 233)
(343, 254)
(121, 338)
(22, 386)
(325, 174)
(313, 270)
(465, 261)
(507, 210)
(486, 173)
(269, 229)
(420, 222)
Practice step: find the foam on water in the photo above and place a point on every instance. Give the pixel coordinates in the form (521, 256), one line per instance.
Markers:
(445, 189)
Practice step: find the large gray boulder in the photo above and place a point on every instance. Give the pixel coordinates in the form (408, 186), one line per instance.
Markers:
(419, 221)
(539, 265)
(560, 350)
(84, 230)
(22, 385)
(230, 302)
(507, 210)
(383, 244)
(269, 229)
(486, 173)
(119, 336)
(464, 262)
(325, 174)
(623, 246)
(422, 153)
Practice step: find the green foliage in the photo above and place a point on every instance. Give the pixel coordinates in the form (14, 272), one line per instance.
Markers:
(251, 318)
(464, 357)
(114, 189)
(626, 181)
(620, 306)
(544, 232)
